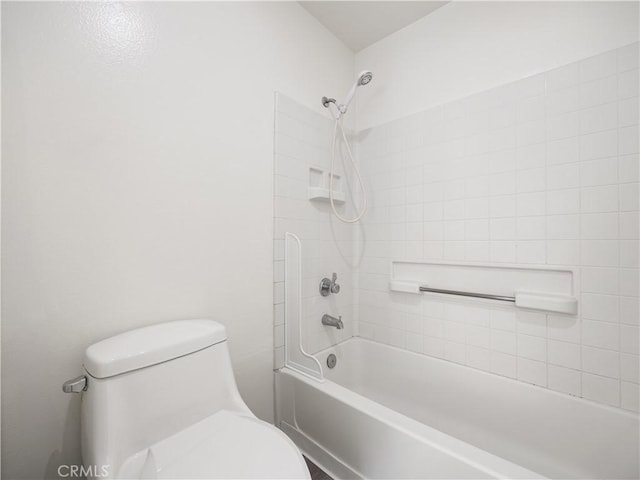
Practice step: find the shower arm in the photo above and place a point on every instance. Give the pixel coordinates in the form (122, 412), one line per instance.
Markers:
(326, 101)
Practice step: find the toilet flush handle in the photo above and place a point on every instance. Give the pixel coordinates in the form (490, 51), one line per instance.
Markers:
(75, 385)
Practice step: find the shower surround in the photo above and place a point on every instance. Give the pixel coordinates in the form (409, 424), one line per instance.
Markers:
(302, 152)
(539, 172)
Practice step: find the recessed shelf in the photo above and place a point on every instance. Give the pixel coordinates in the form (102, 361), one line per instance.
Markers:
(319, 181)
(322, 194)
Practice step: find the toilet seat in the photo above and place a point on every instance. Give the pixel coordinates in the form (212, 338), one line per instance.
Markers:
(225, 445)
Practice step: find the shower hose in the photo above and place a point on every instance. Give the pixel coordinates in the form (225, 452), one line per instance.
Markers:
(338, 126)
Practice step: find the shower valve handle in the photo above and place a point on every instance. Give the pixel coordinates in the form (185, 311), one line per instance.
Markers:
(335, 288)
(328, 286)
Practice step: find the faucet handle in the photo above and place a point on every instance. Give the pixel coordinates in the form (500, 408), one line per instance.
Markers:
(335, 288)
(329, 286)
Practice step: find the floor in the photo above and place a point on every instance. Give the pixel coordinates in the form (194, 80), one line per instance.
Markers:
(316, 472)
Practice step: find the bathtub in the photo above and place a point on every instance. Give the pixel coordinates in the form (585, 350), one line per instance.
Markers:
(383, 412)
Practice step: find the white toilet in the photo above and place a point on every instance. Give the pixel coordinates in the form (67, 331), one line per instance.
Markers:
(162, 402)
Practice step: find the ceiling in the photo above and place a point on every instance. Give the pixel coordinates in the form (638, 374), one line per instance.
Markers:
(359, 24)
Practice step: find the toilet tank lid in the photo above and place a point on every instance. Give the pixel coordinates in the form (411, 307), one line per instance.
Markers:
(148, 346)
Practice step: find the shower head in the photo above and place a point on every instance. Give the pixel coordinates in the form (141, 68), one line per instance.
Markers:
(363, 78)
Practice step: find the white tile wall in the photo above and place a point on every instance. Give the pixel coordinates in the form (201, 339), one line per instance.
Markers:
(303, 140)
(539, 171)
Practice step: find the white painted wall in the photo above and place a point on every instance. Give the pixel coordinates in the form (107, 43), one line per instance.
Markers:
(137, 148)
(468, 47)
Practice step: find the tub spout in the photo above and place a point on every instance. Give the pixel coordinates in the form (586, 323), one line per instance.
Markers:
(332, 321)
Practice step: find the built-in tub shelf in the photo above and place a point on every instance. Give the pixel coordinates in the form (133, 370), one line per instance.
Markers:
(319, 193)
(319, 182)
(546, 289)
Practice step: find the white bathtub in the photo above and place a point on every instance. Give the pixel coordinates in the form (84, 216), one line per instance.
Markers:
(383, 412)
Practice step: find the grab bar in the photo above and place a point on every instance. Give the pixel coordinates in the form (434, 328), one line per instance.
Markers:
(468, 294)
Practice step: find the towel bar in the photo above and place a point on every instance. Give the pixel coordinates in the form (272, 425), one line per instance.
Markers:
(468, 294)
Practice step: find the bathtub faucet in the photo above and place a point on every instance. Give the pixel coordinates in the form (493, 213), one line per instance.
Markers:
(332, 321)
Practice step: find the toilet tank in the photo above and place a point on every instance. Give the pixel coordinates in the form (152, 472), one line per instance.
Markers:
(147, 384)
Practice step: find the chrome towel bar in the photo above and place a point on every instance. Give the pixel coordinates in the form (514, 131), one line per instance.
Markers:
(468, 294)
(532, 300)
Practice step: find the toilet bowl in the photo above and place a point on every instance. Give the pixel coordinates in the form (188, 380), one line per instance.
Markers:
(248, 449)
(161, 402)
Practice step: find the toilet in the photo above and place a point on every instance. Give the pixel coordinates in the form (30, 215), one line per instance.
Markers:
(161, 402)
